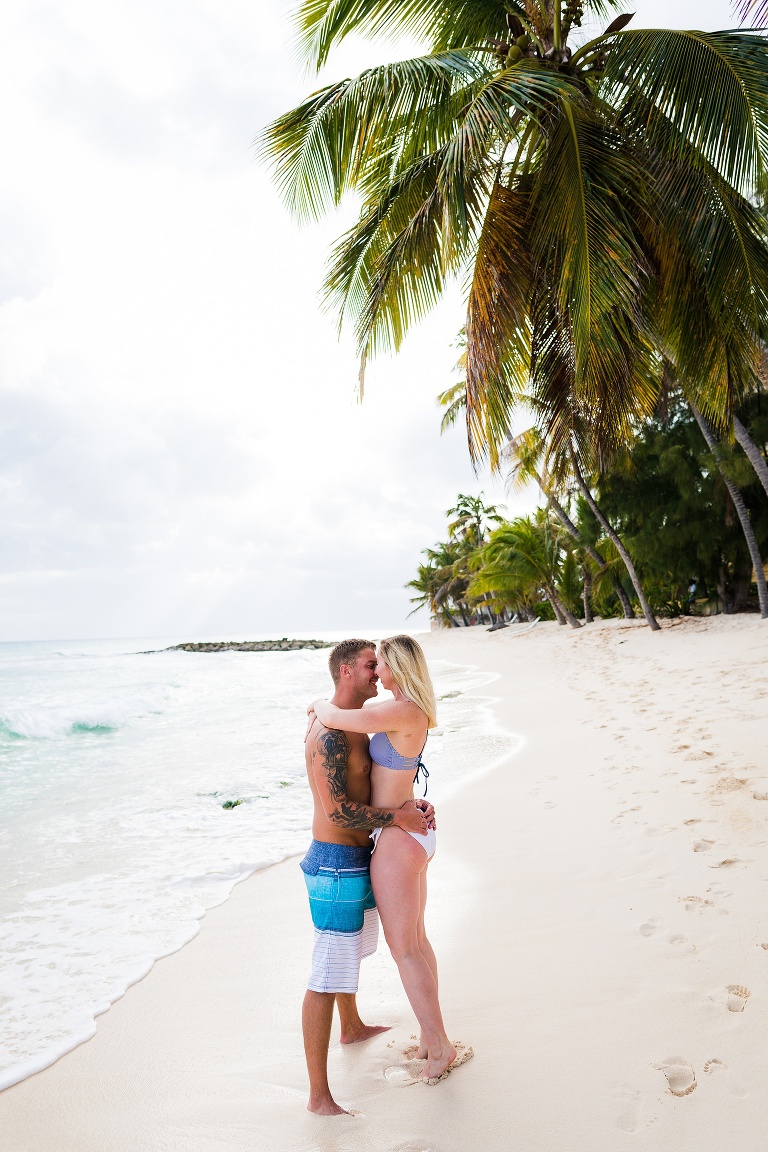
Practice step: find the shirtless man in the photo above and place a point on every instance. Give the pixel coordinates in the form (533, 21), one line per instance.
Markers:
(336, 867)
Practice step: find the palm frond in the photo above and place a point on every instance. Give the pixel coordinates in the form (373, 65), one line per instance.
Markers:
(322, 24)
(329, 143)
(453, 401)
(711, 87)
(713, 276)
(498, 328)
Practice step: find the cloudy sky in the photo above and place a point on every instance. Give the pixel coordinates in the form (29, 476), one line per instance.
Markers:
(180, 447)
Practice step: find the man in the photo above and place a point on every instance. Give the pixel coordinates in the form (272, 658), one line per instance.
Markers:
(336, 868)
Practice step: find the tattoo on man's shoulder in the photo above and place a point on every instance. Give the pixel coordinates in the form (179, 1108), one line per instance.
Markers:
(332, 746)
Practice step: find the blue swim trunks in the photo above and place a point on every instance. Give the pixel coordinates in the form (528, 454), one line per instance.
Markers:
(343, 911)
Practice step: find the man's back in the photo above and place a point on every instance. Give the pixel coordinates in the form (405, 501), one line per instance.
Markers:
(339, 772)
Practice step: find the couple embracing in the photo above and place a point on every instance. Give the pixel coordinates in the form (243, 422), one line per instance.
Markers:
(370, 853)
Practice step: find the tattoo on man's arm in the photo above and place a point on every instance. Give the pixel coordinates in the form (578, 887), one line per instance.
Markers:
(333, 750)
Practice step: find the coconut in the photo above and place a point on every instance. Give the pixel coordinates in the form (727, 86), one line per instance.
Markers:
(514, 56)
(523, 41)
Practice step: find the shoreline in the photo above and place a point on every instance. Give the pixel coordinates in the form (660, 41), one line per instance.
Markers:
(63, 1026)
(593, 900)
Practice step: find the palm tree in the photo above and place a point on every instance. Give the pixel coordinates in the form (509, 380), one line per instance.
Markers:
(524, 453)
(428, 585)
(741, 510)
(472, 519)
(599, 196)
(522, 557)
(752, 452)
(554, 174)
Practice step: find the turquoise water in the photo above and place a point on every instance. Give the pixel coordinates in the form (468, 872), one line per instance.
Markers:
(115, 768)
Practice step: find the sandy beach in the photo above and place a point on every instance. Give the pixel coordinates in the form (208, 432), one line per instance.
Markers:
(598, 909)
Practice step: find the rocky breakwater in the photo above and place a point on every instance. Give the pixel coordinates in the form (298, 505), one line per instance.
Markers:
(284, 645)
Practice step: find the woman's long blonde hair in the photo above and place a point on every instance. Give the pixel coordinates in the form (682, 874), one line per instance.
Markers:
(408, 665)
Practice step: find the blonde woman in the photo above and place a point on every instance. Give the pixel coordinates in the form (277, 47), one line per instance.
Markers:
(400, 860)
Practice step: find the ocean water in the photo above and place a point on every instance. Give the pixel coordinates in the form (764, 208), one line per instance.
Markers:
(118, 771)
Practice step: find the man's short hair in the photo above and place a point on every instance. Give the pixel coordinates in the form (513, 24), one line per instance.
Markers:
(346, 652)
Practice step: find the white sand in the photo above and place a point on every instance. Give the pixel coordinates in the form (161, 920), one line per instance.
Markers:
(592, 902)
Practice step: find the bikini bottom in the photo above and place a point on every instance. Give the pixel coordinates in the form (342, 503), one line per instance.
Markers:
(427, 840)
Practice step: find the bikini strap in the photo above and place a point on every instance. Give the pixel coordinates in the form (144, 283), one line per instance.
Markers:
(421, 767)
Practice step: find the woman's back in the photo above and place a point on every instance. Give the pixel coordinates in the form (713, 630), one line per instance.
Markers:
(392, 772)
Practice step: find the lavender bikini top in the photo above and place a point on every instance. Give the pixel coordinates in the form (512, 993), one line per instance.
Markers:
(383, 753)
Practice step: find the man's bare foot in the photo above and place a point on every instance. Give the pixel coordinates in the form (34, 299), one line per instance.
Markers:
(326, 1106)
(363, 1032)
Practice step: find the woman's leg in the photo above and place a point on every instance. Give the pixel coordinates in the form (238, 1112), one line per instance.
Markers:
(425, 947)
(396, 869)
(424, 944)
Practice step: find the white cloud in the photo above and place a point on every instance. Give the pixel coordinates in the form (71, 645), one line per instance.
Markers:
(180, 449)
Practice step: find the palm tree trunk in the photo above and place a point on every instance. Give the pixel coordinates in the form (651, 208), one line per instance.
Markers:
(561, 611)
(629, 612)
(555, 606)
(620, 548)
(756, 458)
(592, 552)
(741, 511)
(586, 576)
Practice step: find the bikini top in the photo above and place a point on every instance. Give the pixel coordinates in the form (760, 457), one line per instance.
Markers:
(383, 753)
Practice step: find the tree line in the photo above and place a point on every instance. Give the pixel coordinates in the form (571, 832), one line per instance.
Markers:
(665, 497)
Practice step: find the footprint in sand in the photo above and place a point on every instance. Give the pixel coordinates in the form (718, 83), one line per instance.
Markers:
(403, 1075)
(760, 795)
(721, 1071)
(680, 1075)
(627, 1108)
(682, 943)
(728, 784)
(702, 845)
(738, 995)
(696, 903)
(649, 928)
(701, 755)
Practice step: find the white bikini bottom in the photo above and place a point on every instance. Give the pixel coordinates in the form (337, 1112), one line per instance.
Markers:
(427, 840)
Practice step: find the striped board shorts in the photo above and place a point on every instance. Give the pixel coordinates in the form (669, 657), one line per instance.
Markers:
(344, 915)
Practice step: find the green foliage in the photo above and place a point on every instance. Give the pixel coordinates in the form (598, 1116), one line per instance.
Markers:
(668, 500)
(666, 497)
(601, 203)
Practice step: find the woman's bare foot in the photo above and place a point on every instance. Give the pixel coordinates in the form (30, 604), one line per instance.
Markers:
(416, 1051)
(443, 1066)
(363, 1032)
(326, 1106)
(436, 1065)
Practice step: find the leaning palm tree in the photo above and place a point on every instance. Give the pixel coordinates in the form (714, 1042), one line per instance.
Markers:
(524, 453)
(740, 508)
(598, 196)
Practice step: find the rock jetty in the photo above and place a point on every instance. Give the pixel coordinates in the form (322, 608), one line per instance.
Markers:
(284, 645)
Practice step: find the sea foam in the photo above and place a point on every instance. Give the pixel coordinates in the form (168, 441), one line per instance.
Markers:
(138, 790)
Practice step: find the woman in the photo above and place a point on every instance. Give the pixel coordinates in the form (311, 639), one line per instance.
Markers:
(400, 859)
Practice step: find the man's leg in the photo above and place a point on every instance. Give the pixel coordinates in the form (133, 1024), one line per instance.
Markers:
(352, 1028)
(316, 1017)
